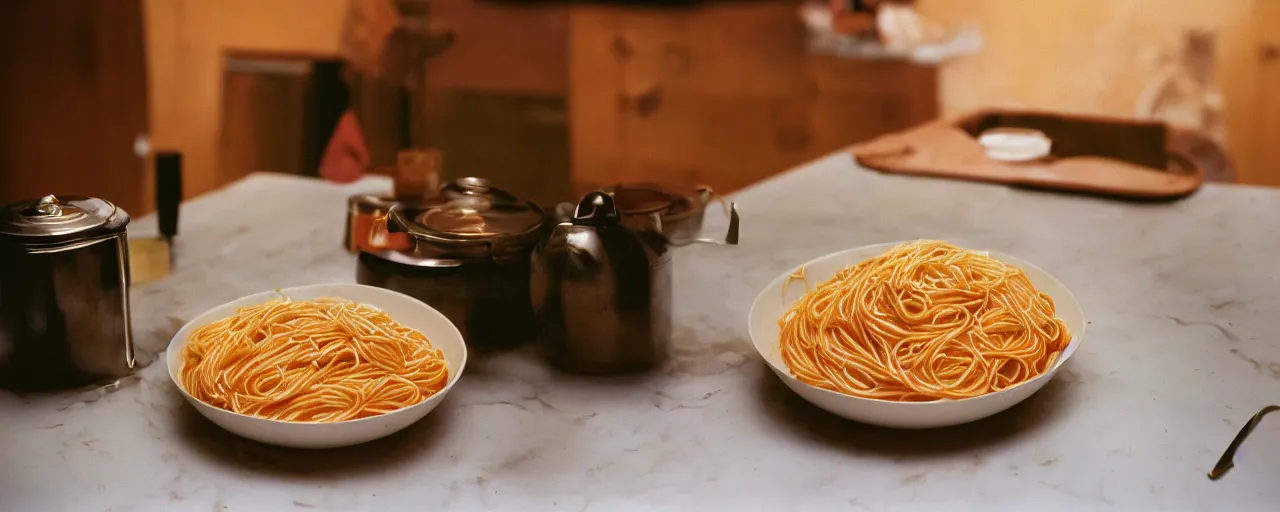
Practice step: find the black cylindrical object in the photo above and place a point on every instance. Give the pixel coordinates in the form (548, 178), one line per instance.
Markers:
(168, 192)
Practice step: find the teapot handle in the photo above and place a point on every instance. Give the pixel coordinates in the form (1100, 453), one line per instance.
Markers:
(730, 237)
(704, 195)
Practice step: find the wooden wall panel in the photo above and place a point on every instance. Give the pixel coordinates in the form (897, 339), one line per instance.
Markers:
(1259, 152)
(502, 47)
(73, 97)
(724, 95)
(187, 44)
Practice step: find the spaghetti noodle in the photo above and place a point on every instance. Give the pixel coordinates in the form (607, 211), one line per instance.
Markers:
(323, 360)
(923, 321)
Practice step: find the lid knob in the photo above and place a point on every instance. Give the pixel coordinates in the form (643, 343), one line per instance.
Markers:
(474, 185)
(48, 206)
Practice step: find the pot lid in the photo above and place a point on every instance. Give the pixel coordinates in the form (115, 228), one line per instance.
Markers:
(52, 216)
(644, 198)
(469, 209)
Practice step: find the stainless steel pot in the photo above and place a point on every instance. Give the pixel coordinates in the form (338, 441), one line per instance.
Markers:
(469, 259)
(64, 293)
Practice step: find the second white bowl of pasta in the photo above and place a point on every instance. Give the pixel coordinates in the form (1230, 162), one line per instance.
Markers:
(320, 366)
(923, 335)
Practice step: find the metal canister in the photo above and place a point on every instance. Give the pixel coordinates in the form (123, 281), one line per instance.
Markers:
(64, 293)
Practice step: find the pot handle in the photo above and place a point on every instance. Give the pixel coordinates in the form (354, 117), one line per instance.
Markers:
(381, 237)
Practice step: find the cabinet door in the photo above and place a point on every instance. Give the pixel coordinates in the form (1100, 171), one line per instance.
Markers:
(684, 96)
(724, 95)
(72, 100)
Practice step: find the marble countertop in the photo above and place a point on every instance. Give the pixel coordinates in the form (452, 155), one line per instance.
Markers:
(1181, 350)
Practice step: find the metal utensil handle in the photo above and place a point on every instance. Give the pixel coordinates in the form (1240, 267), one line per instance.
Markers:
(1228, 459)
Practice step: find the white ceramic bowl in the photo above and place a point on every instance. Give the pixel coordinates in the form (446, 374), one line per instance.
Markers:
(770, 305)
(404, 309)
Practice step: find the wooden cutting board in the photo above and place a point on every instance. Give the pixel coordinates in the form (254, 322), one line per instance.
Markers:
(1095, 155)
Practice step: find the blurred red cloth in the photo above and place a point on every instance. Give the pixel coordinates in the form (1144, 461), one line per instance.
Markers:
(346, 157)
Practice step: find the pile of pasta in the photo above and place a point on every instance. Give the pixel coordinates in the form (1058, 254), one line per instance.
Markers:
(321, 360)
(923, 321)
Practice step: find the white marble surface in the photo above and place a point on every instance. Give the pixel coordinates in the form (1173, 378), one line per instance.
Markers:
(1181, 350)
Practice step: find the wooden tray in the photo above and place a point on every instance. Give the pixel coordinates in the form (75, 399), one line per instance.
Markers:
(1095, 155)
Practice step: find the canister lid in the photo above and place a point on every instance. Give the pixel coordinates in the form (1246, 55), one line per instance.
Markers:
(56, 217)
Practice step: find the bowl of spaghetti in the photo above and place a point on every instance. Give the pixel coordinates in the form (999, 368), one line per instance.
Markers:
(917, 334)
(318, 366)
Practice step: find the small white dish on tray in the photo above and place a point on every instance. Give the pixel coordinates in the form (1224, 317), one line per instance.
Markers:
(404, 309)
(1015, 144)
(769, 306)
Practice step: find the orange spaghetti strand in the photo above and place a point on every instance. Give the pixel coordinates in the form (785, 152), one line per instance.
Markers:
(311, 361)
(923, 321)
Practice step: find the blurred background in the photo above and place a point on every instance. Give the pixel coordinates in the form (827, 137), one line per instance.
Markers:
(552, 98)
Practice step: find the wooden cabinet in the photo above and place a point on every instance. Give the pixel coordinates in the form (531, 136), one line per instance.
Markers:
(724, 95)
(551, 97)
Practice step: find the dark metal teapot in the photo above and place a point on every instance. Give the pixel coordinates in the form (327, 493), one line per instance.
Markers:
(602, 288)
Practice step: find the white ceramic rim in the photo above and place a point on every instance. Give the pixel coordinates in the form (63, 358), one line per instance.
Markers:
(782, 370)
(178, 344)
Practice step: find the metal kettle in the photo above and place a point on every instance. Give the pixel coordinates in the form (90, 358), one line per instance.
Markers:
(602, 292)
